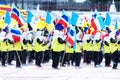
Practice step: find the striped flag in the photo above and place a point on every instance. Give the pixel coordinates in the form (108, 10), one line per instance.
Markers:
(94, 31)
(16, 34)
(15, 14)
(62, 22)
(71, 36)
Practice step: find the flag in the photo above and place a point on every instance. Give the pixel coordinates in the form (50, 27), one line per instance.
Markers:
(15, 14)
(2, 24)
(99, 23)
(103, 35)
(5, 29)
(95, 14)
(29, 27)
(7, 18)
(63, 21)
(71, 36)
(116, 24)
(59, 27)
(49, 27)
(85, 29)
(40, 24)
(48, 18)
(107, 19)
(16, 34)
(29, 17)
(94, 27)
(108, 30)
(74, 18)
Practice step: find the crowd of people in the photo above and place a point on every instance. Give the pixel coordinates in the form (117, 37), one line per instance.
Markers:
(41, 46)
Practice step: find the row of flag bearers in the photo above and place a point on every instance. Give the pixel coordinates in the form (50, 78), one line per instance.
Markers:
(35, 45)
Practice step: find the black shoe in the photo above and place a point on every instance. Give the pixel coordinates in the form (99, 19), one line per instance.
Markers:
(18, 67)
(38, 65)
(10, 64)
(3, 65)
(55, 68)
(114, 68)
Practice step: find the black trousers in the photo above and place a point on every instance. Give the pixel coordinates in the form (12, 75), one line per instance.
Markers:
(55, 58)
(78, 59)
(24, 56)
(10, 56)
(3, 57)
(85, 56)
(88, 57)
(100, 57)
(62, 54)
(95, 57)
(115, 58)
(18, 58)
(30, 56)
(38, 58)
(107, 59)
(69, 57)
(46, 56)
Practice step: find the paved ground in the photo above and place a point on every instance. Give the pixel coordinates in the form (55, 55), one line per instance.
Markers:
(86, 72)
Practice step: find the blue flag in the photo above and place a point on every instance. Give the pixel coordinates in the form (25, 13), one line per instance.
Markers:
(74, 18)
(107, 19)
(116, 24)
(7, 18)
(48, 18)
(100, 19)
(30, 16)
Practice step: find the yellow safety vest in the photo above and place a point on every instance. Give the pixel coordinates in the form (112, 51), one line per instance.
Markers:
(38, 47)
(29, 47)
(78, 48)
(113, 47)
(17, 46)
(96, 47)
(69, 49)
(106, 49)
(3, 46)
(55, 45)
(10, 47)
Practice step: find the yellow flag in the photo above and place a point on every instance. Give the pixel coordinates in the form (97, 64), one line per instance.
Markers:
(13, 22)
(111, 28)
(49, 27)
(24, 27)
(2, 24)
(84, 24)
(118, 26)
(40, 24)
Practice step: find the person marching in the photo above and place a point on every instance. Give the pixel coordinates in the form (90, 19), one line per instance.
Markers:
(3, 47)
(55, 50)
(78, 51)
(38, 48)
(30, 47)
(11, 51)
(96, 52)
(24, 48)
(114, 52)
(18, 53)
(62, 42)
(107, 53)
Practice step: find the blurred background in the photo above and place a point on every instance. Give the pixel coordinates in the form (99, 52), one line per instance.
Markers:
(78, 5)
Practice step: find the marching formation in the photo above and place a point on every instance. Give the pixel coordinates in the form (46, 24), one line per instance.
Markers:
(42, 46)
(61, 40)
